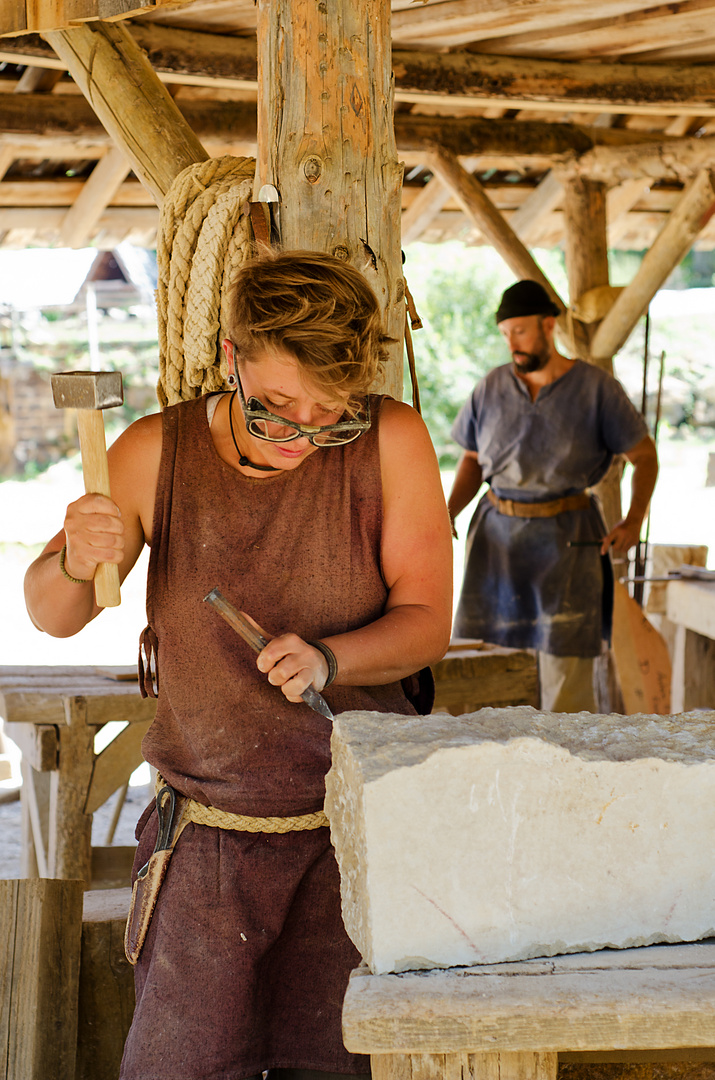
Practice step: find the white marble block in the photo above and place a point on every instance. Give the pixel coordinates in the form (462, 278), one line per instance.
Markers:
(510, 833)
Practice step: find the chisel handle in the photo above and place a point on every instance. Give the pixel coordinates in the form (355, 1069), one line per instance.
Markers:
(95, 469)
(256, 638)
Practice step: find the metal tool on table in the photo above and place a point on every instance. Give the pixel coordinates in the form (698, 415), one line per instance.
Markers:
(257, 639)
(90, 392)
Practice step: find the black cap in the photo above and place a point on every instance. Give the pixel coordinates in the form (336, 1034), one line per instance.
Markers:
(526, 298)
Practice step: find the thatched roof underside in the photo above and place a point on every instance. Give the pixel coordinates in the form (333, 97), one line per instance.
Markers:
(517, 88)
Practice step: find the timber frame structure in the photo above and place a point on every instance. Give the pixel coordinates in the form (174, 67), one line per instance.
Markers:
(519, 123)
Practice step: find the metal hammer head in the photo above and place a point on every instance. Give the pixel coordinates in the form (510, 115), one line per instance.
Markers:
(87, 389)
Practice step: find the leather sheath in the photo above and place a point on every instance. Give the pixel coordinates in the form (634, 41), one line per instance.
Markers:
(149, 879)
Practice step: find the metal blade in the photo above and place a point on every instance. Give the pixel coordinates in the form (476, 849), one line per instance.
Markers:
(317, 702)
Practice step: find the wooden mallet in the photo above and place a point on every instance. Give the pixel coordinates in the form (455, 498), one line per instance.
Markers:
(89, 392)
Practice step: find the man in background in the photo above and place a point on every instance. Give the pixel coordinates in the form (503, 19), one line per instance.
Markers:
(541, 431)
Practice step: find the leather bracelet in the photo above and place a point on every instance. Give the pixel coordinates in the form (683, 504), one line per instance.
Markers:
(330, 657)
(74, 580)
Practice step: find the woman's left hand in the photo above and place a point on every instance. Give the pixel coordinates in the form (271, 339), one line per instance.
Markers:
(294, 665)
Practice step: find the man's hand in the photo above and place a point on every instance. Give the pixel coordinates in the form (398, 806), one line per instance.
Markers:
(622, 537)
(294, 665)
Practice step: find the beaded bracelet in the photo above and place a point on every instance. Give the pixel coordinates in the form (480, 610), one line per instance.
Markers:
(330, 657)
(74, 580)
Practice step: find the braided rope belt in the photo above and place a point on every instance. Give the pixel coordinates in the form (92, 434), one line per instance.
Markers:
(199, 814)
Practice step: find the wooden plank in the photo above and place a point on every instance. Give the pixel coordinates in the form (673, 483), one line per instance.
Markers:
(620, 200)
(40, 941)
(39, 744)
(693, 682)
(106, 985)
(642, 657)
(63, 193)
(675, 239)
(97, 192)
(115, 764)
(638, 999)
(116, 77)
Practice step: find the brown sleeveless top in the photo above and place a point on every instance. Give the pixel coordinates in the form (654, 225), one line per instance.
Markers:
(298, 551)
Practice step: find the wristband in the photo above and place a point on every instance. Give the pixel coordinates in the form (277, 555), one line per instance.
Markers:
(330, 657)
(74, 580)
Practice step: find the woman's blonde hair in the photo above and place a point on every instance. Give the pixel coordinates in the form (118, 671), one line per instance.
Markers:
(316, 307)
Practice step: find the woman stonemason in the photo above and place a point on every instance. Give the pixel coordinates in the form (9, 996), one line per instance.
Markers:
(317, 508)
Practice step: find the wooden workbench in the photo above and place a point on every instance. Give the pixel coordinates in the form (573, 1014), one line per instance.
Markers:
(54, 714)
(690, 608)
(516, 1021)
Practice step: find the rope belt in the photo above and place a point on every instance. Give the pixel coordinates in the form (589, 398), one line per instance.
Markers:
(510, 508)
(221, 819)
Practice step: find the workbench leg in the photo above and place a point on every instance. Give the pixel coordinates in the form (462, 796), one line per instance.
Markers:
(70, 854)
(495, 1066)
(34, 818)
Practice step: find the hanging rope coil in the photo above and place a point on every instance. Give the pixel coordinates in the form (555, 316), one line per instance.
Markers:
(204, 237)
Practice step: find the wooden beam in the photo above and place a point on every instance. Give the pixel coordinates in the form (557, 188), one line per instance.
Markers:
(424, 209)
(462, 78)
(69, 116)
(134, 107)
(671, 159)
(477, 205)
(97, 192)
(675, 239)
(544, 84)
(50, 193)
(544, 199)
(37, 80)
(326, 141)
(37, 16)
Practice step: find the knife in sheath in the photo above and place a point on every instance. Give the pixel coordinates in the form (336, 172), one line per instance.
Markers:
(258, 641)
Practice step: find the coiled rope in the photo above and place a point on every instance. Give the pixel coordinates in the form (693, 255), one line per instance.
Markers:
(204, 237)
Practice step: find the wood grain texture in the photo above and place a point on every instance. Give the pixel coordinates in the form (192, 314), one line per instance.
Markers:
(130, 101)
(326, 142)
(40, 939)
(662, 996)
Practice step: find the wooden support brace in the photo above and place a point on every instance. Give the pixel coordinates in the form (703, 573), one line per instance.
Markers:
(675, 239)
(477, 205)
(97, 192)
(133, 105)
(528, 219)
(424, 209)
(115, 764)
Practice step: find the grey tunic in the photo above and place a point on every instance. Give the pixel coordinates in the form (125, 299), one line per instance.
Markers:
(524, 587)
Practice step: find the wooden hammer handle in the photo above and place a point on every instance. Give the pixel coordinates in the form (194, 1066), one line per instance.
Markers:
(95, 469)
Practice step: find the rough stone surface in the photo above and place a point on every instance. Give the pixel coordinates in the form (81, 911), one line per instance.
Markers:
(509, 833)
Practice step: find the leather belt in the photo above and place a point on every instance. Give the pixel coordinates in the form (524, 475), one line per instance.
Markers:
(581, 501)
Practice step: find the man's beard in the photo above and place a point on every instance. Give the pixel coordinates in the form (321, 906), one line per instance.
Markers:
(533, 361)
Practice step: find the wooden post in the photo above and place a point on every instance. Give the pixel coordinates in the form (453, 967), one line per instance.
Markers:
(70, 828)
(133, 105)
(326, 141)
(40, 937)
(586, 247)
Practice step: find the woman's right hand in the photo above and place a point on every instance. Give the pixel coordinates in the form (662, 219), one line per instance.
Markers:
(94, 533)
